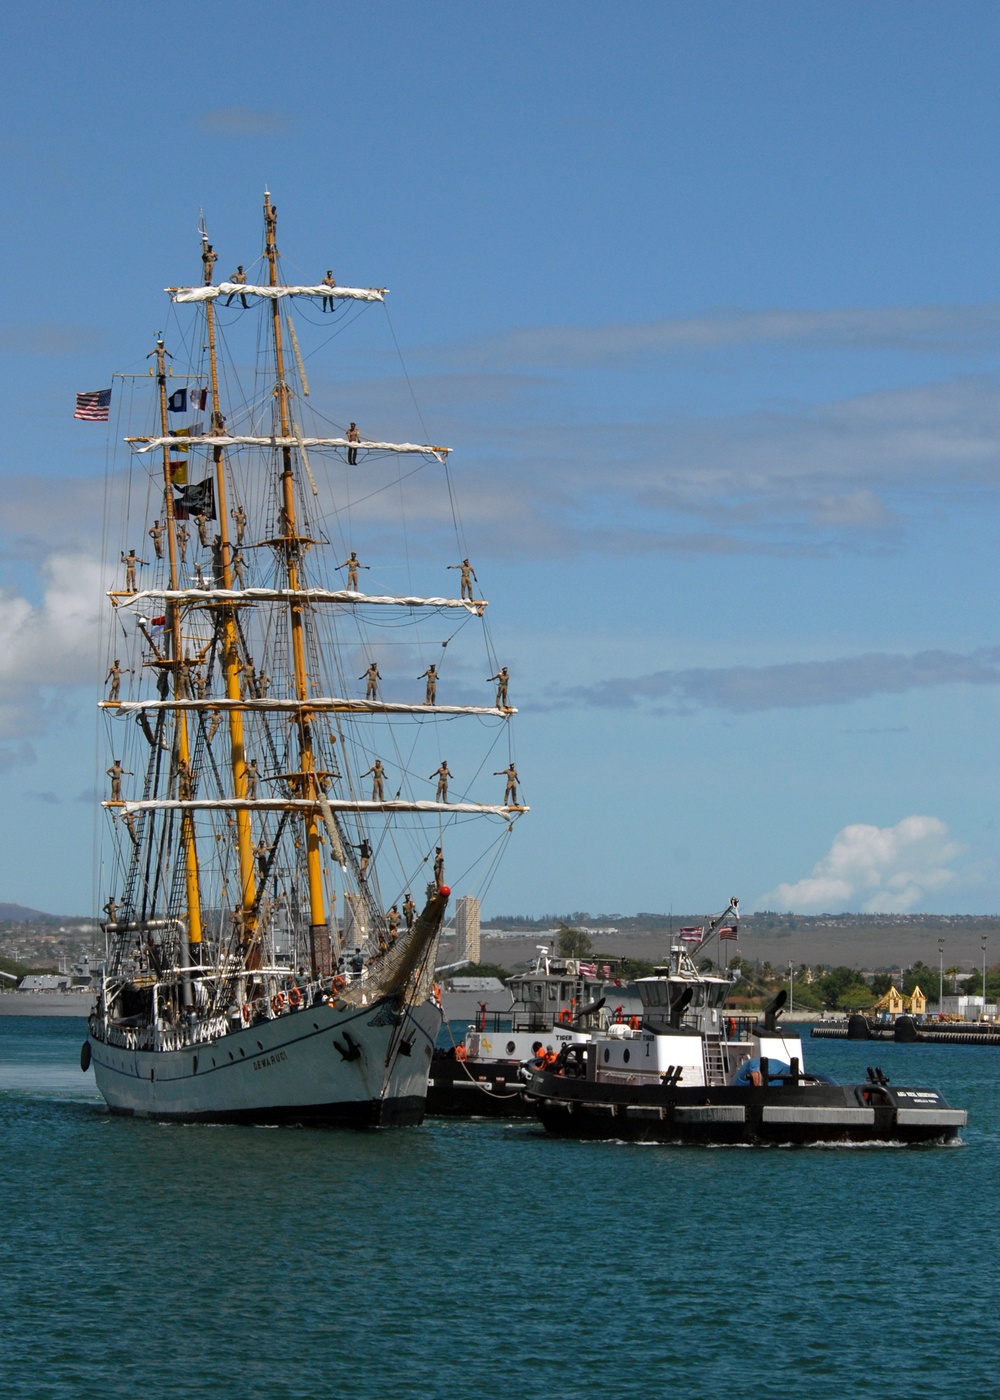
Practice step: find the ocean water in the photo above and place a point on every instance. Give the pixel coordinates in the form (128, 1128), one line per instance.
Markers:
(478, 1259)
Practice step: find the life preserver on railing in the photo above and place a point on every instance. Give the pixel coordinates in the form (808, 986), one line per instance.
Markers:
(245, 1009)
(565, 1016)
(295, 996)
(730, 1027)
(339, 983)
(634, 1023)
(436, 995)
(277, 1002)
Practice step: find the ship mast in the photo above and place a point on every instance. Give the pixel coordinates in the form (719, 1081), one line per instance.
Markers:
(173, 631)
(288, 529)
(230, 651)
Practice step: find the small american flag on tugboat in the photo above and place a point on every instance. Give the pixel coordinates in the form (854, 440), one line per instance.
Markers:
(588, 969)
(730, 931)
(691, 934)
(94, 406)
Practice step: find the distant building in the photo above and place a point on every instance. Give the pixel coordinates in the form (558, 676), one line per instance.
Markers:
(467, 928)
(969, 1008)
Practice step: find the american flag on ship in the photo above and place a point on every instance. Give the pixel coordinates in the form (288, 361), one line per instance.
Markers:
(94, 406)
(730, 931)
(690, 934)
(588, 969)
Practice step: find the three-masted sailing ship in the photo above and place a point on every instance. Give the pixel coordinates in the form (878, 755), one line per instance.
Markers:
(266, 958)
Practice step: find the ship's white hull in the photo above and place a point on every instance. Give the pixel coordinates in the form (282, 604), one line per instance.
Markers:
(322, 1064)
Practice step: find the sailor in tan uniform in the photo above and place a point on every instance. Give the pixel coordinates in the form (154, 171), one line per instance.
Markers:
(468, 575)
(432, 678)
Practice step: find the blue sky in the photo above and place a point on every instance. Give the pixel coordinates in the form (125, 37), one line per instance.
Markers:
(707, 299)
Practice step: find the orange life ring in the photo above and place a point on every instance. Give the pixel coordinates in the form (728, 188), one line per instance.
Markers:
(339, 984)
(436, 994)
(730, 1027)
(633, 1023)
(245, 1008)
(277, 1002)
(295, 996)
(565, 1016)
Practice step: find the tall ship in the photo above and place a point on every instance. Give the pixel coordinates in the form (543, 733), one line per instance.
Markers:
(278, 806)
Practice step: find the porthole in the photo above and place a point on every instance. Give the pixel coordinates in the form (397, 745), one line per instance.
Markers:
(231, 1055)
(152, 1074)
(260, 1045)
(627, 1056)
(194, 1065)
(315, 1025)
(243, 1053)
(511, 1046)
(607, 1054)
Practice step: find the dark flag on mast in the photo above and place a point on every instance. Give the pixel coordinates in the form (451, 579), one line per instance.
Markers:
(177, 402)
(196, 499)
(94, 407)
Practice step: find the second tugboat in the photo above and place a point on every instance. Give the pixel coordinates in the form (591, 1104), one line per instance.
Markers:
(690, 1073)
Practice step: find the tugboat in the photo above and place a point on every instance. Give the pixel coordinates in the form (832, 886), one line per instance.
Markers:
(558, 1003)
(691, 1073)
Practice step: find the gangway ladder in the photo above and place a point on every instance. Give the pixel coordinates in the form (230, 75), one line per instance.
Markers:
(715, 1063)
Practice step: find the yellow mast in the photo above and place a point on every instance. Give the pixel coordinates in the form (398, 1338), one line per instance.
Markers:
(289, 529)
(173, 629)
(230, 655)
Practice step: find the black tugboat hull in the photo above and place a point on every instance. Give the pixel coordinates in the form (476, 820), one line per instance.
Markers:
(731, 1115)
(475, 1089)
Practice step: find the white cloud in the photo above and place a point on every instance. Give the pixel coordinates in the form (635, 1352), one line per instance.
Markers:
(916, 329)
(792, 685)
(53, 643)
(872, 869)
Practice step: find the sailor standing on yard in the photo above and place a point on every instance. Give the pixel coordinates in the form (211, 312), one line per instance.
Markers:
(468, 574)
(116, 772)
(432, 680)
(501, 678)
(240, 278)
(183, 535)
(352, 566)
(156, 535)
(371, 690)
(329, 281)
(114, 675)
(208, 260)
(409, 910)
(510, 796)
(252, 778)
(130, 561)
(378, 780)
(240, 521)
(442, 774)
(352, 452)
